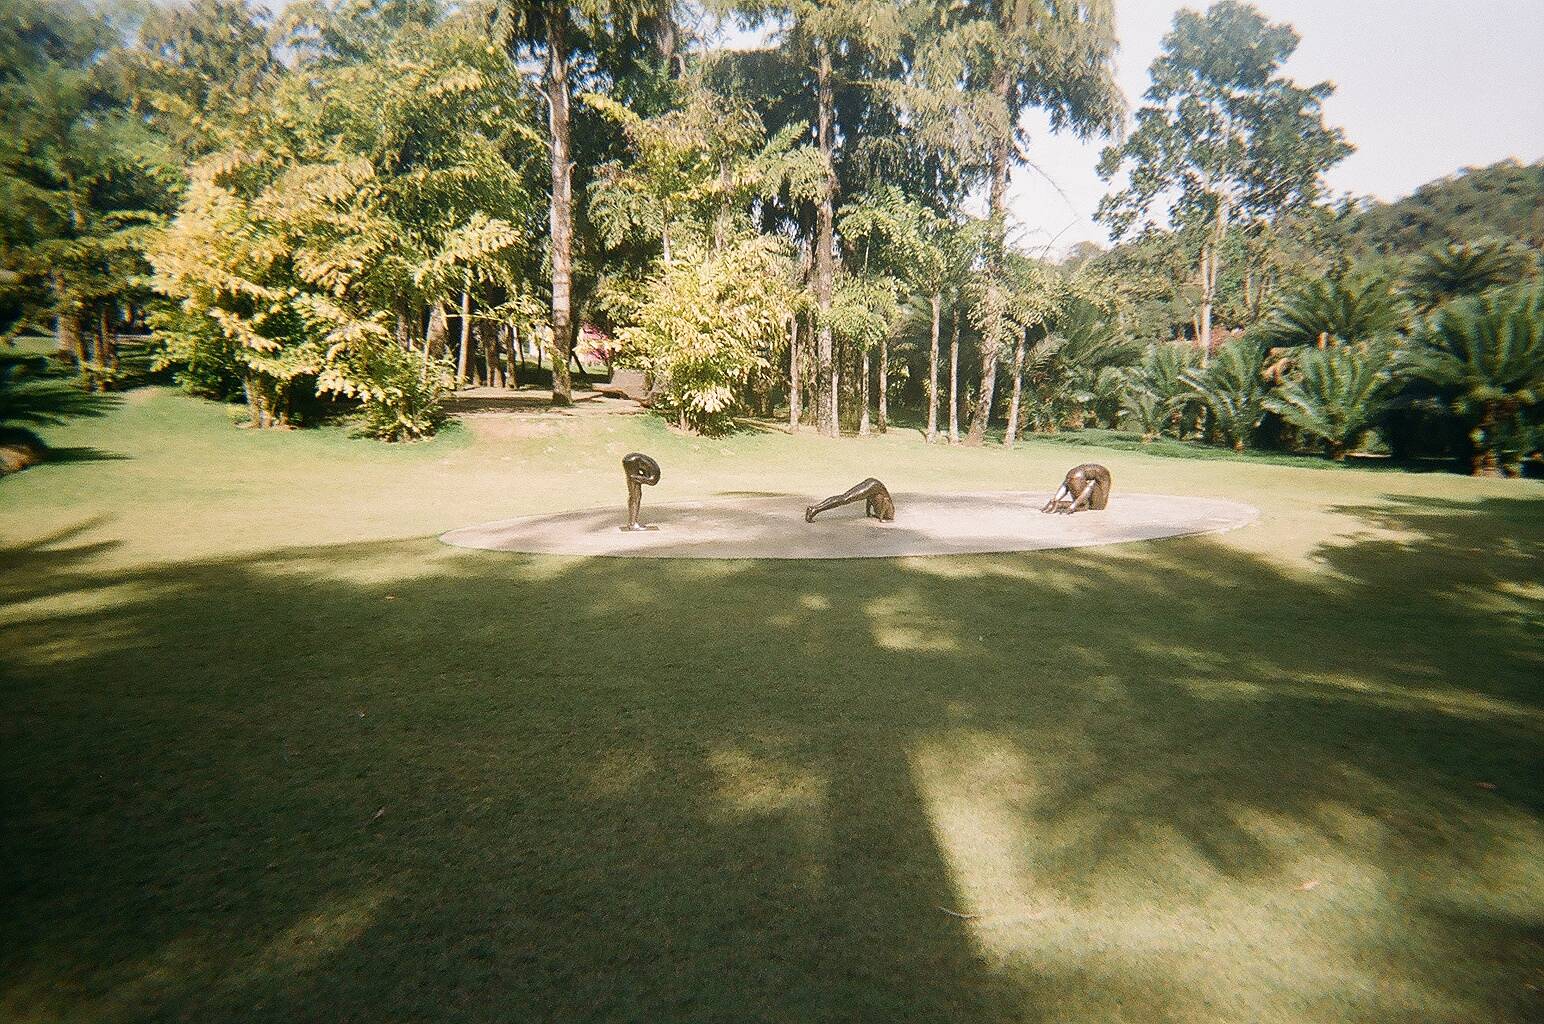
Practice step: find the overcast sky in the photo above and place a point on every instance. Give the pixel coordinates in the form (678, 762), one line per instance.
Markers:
(1423, 88)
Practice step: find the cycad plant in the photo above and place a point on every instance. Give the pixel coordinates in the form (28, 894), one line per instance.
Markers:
(1465, 268)
(1320, 312)
(1485, 354)
(1231, 389)
(1334, 394)
(1156, 393)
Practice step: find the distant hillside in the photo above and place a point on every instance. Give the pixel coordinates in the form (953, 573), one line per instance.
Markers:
(1503, 199)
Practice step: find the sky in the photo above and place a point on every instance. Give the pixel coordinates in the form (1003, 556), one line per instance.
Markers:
(1423, 88)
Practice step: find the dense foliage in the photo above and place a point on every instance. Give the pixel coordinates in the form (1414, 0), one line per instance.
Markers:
(363, 204)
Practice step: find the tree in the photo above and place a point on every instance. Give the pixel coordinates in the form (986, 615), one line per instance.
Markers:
(1334, 394)
(1224, 137)
(1320, 311)
(82, 181)
(569, 41)
(1485, 354)
(1156, 392)
(706, 328)
(201, 70)
(1231, 390)
(1466, 268)
(987, 63)
(833, 43)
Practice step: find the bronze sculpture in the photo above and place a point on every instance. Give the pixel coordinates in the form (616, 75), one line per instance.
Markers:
(871, 492)
(640, 470)
(1086, 486)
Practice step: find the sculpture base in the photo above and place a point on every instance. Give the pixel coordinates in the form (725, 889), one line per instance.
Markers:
(773, 526)
(638, 528)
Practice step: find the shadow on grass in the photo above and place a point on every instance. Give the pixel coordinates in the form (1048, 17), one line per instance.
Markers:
(1169, 782)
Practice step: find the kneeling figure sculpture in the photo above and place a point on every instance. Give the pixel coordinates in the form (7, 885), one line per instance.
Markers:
(640, 470)
(871, 492)
(1086, 486)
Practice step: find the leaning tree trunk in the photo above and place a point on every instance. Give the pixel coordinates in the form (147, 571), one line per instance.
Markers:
(954, 379)
(932, 372)
(1012, 432)
(863, 392)
(1002, 156)
(562, 221)
(795, 398)
(826, 419)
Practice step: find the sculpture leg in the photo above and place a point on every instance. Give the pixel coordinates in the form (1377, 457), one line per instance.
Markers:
(634, 505)
(1081, 501)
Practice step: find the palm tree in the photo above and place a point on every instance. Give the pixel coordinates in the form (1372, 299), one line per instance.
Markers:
(1156, 392)
(1485, 354)
(1334, 394)
(1231, 389)
(1465, 268)
(1321, 311)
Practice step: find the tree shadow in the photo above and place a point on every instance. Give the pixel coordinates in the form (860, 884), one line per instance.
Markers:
(1169, 781)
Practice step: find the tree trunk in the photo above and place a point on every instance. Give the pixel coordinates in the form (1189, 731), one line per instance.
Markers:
(487, 344)
(827, 421)
(70, 339)
(562, 209)
(954, 378)
(863, 392)
(511, 380)
(795, 398)
(466, 336)
(1485, 461)
(932, 372)
(1011, 434)
(260, 411)
(404, 325)
(884, 385)
(439, 330)
(1002, 157)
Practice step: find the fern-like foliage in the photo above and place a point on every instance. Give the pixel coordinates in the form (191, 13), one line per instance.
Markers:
(1231, 389)
(1321, 311)
(1465, 268)
(1335, 394)
(1156, 393)
(1485, 354)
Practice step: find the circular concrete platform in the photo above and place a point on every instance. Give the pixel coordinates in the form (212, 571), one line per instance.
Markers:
(925, 524)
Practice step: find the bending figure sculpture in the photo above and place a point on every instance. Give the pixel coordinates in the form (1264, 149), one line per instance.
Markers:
(871, 492)
(640, 470)
(1086, 486)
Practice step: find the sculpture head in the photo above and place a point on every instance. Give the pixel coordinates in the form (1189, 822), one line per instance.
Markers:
(640, 469)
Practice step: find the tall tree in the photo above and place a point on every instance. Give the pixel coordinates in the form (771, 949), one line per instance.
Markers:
(1224, 138)
(570, 42)
(834, 44)
(985, 63)
(82, 179)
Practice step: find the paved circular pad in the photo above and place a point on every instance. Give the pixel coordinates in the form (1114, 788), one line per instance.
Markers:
(925, 524)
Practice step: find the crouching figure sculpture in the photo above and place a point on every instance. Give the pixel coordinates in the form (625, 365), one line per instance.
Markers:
(640, 470)
(1086, 486)
(871, 492)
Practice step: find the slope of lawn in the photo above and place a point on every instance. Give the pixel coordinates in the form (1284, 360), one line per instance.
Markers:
(273, 753)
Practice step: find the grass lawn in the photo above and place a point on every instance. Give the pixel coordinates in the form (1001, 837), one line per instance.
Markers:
(273, 753)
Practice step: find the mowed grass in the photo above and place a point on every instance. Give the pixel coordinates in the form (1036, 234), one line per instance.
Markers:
(273, 753)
